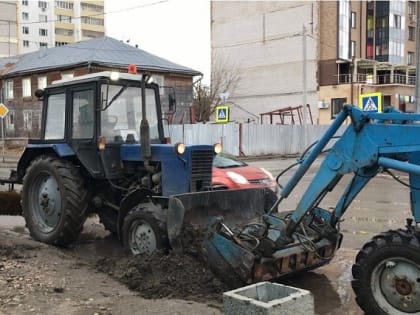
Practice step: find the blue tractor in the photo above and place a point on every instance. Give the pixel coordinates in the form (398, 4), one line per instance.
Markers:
(103, 149)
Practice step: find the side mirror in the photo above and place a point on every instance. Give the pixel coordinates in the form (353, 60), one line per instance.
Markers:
(39, 93)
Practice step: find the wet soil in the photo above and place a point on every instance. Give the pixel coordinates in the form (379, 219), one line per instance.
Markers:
(166, 275)
(93, 277)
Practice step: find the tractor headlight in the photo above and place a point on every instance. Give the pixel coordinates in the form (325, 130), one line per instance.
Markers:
(179, 148)
(217, 148)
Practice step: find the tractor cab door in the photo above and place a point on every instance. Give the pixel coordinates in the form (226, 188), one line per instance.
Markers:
(83, 118)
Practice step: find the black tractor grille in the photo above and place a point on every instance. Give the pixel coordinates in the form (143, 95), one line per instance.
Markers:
(201, 167)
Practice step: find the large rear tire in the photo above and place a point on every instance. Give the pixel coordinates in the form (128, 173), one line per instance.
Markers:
(144, 230)
(386, 274)
(54, 201)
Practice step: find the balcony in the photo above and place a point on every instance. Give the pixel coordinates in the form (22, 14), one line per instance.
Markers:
(375, 73)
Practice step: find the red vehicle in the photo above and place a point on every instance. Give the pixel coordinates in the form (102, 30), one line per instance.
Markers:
(231, 173)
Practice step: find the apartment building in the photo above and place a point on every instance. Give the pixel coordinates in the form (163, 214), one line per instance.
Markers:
(8, 29)
(348, 48)
(366, 47)
(28, 25)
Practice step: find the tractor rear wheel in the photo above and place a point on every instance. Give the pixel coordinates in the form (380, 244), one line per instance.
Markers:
(144, 230)
(386, 274)
(54, 201)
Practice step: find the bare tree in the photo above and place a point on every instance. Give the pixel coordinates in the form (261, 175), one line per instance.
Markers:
(224, 78)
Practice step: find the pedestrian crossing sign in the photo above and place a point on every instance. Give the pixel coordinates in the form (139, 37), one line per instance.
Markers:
(222, 114)
(371, 102)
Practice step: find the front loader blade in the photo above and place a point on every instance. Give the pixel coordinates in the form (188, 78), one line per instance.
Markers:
(196, 210)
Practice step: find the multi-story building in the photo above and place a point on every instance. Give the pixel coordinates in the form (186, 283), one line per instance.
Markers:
(366, 47)
(333, 50)
(8, 29)
(56, 23)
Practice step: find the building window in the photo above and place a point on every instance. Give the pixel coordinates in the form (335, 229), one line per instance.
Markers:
(43, 32)
(43, 18)
(43, 44)
(42, 4)
(57, 44)
(25, 16)
(63, 31)
(26, 43)
(26, 87)
(397, 21)
(68, 75)
(64, 5)
(24, 2)
(8, 90)
(411, 7)
(353, 20)
(27, 119)
(63, 18)
(91, 20)
(411, 33)
(337, 105)
(91, 7)
(353, 48)
(410, 58)
(10, 120)
(25, 30)
(42, 82)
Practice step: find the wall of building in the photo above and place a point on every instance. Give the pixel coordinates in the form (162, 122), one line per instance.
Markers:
(8, 29)
(263, 42)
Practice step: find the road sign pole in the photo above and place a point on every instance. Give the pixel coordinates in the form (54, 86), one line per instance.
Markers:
(2, 136)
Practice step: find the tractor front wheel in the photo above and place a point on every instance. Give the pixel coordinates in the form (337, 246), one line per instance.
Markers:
(386, 274)
(144, 230)
(54, 201)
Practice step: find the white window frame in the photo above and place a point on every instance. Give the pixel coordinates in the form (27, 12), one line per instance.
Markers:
(8, 89)
(10, 120)
(27, 119)
(67, 75)
(26, 87)
(42, 82)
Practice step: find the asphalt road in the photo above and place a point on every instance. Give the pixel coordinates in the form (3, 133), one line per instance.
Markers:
(382, 205)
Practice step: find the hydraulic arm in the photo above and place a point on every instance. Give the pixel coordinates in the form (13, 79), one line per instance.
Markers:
(280, 243)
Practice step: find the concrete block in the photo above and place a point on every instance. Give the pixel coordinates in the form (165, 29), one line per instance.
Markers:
(266, 298)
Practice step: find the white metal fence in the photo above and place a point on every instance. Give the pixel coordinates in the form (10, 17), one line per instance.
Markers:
(251, 139)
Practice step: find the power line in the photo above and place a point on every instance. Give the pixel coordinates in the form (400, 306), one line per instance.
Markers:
(91, 15)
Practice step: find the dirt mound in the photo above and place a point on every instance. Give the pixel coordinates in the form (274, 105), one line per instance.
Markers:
(169, 276)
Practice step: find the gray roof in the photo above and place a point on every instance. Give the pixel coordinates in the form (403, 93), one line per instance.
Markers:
(104, 51)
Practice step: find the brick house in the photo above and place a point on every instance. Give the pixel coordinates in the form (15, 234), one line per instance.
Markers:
(22, 75)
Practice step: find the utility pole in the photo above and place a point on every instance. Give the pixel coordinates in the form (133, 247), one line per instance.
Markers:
(305, 114)
(418, 59)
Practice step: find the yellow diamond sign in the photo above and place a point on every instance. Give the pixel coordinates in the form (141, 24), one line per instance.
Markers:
(3, 110)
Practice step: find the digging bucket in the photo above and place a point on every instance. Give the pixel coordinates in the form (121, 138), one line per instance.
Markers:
(196, 209)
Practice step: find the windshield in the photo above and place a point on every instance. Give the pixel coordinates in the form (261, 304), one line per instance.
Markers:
(120, 121)
(226, 161)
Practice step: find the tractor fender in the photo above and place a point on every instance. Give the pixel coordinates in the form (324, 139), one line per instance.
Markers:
(132, 199)
(31, 151)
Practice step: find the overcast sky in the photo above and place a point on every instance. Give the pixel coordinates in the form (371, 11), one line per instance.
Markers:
(177, 30)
